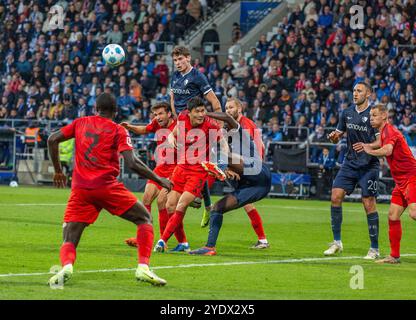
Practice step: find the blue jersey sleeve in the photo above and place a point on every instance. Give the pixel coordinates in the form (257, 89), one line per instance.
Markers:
(202, 83)
(374, 131)
(342, 123)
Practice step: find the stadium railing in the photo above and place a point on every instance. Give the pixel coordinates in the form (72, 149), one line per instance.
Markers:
(257, 14)
(193, 30)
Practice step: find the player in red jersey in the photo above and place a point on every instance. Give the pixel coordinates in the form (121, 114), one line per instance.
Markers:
(165, 156)
(234, 108)
(98, 143)
(403, 170)
(194, 135)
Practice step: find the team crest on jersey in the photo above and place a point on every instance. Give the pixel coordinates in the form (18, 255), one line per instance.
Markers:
(185, 82)
(365, 119)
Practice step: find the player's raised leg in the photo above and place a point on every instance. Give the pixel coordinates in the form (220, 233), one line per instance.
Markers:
(337, 196)
(140, 216)
(171, 203)
(180, 235)
(176, 220)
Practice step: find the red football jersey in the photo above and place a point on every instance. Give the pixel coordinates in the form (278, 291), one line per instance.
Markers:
(98, 143)
(164, 154)
(194, 142)
(402, 162)
(249, 125)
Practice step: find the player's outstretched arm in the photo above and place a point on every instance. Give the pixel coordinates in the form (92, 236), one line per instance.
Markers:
(54, 139)
(222, 116)
(384, 151)
(136, 165)
(133, 128)
(213, 100)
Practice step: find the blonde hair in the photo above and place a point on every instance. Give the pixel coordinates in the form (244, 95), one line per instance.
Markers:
(236, 101)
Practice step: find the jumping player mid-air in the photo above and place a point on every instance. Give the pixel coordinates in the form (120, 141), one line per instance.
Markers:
(98, 143)
(194, 136)
(234, 108)
(358, 169)
(186, 83)
(403, 170)
(252, 179)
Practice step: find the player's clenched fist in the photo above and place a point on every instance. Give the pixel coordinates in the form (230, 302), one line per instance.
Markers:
(59, 180)
(334, 136)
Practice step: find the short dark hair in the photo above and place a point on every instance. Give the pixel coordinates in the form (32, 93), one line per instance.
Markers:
(195, 102)
(161, 105)
(365, 84)
(106, 102)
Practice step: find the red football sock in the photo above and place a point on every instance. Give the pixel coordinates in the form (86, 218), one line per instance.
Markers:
(149, 208)
(257, 224)
(180, 232)
(163, 220)
(173, 223)
(144, 242)
(68, 253)
(395, 235)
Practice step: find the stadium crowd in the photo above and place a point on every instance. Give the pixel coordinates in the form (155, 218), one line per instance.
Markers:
(50, 74)
(302, 77)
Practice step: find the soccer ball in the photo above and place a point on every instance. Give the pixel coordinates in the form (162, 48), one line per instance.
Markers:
(13, 184)
(113, 55)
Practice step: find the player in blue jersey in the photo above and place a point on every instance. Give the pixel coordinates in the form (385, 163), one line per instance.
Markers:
(186, 83)
(357, 169)
(251, 177)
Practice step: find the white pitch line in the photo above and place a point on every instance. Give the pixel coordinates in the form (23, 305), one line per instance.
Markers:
(180, 266)
(257, 205)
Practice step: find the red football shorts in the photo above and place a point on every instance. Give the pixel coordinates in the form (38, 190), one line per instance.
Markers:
(211, 180)
(405, 198)
(188, 180)
(84, 205)
(163, 171)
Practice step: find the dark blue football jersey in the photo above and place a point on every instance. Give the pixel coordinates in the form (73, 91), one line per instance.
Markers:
(187, 86)
(241, 143)
(358, 128)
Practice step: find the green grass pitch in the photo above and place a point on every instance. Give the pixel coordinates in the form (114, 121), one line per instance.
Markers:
(30, 237)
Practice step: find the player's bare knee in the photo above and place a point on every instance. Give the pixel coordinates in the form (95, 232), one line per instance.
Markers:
(412, 213)
(147, 200)
(336, 199)
(170, 206)
(161, 201)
